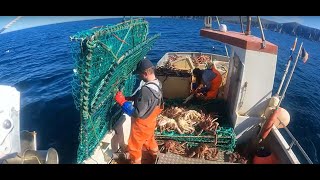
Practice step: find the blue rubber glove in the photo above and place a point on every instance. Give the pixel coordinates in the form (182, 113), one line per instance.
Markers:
(203, 90)
(128, 108)
(194, 86)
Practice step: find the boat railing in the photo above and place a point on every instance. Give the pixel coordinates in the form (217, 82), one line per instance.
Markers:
(294, 141)
(219, 57)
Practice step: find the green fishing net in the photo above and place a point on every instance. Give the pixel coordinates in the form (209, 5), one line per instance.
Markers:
(105, 58)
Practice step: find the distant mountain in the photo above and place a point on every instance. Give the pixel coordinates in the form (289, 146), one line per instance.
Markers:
(291, 28)
(295, 29)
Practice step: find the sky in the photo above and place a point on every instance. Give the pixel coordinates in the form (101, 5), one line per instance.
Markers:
(32, 21)
(311, 21)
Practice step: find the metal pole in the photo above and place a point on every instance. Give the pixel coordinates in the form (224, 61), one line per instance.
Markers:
(242, 29)
(287, 66)
(225, 47)
(263, 45)
(294, 66)
(217, 20)
(248, 31)
(283, 77)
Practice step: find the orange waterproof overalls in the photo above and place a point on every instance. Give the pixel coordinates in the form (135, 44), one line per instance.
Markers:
(142, 135)
(215, 84)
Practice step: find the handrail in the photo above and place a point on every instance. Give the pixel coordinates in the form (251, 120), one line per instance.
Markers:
(295, 142)
(242, 29)
(263, 44)
(248, 30)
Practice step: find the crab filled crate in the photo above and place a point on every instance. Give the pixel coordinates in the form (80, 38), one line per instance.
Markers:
(196, 129)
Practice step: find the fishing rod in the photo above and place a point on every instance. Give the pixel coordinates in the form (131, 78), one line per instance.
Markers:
(269, 123)
(287, 66)
(10, 24)
(287, 84)
(264, 131)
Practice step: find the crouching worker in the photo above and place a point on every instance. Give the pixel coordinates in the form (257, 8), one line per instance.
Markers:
(148, 104)
(207, 83)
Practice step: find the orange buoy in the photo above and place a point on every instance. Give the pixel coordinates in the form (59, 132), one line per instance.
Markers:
(278, 115)
(269, 123)
(284, 117)
(263, 156)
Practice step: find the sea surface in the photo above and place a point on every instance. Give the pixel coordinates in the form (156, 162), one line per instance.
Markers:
(37, 61)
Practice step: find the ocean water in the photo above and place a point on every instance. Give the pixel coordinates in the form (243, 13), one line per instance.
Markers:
(37, 61)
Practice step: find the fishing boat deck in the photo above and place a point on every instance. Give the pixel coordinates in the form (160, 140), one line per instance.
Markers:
(170, 158)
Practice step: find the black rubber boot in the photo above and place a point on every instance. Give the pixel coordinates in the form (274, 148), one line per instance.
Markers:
(120, 156)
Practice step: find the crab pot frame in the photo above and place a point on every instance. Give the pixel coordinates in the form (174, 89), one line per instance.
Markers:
(224, 139)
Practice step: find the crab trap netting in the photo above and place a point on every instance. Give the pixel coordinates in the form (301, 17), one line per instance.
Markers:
(224, 137)
(105, 58)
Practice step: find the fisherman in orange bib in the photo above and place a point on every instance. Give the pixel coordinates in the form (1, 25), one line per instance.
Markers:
(207, 83)
(148, 104)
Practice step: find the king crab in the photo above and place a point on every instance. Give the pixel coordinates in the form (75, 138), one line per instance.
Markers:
(212, 154)
(173, 147)
(204, 152)
(173, 112)
(185, 120)
(199, 151)
(208, 124)
(237, 158)
(167, 124)
(185, 125)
